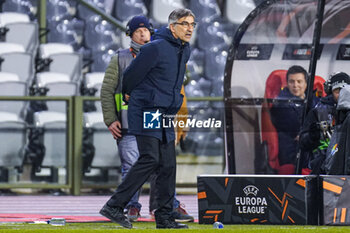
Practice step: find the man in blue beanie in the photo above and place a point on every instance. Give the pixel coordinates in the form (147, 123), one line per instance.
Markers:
(115, 109)
(153, 82)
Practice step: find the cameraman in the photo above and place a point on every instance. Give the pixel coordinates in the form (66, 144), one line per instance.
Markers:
(317, 128)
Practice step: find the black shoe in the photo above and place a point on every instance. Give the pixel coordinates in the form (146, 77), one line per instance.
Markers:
(115, 215)
(170, 224)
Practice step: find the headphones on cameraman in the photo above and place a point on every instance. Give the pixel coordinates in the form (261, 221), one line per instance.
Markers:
(328, 84)
(128, 31)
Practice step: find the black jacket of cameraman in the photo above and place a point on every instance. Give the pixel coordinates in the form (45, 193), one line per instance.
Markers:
(312, 140)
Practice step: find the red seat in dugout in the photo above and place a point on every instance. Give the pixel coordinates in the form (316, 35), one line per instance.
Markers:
(274, 84)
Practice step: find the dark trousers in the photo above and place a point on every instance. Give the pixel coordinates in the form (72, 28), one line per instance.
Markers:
(154, 154)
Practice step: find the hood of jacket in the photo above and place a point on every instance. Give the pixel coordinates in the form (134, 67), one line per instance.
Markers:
(165, 33)
(344, 98)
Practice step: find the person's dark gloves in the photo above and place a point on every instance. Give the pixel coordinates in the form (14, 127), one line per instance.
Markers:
(314, 131)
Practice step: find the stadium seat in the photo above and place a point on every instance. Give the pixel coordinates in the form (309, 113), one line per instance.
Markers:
(12, 141)
(27, 7)
(205, 11)
(12, 126)
(93, 82)
(53, 138)
(211, 36)
(217, 87)
(56, 84)
(99, 34)
(105, 154)
(46, 50)
(46, 146)
(58, 10)
(64, 60)
(25, 34)
(13, 17)
(192, 89)
(8, 77)
(215, 64)
(160, 9)
(13, 82)
(192, 70)
(91, 86)
(101, 60)
(62, 88)
(195, 65)
(205, 86)
(45, 78)
(51, 84)
(214, 71)
(85, 13)
(126, 9)
(274, 83)
(66, 32)
(11, 85)
(238, 16)
(6, 47)
(86, 54)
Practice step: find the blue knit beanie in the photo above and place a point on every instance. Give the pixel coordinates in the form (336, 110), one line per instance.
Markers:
(138, 22)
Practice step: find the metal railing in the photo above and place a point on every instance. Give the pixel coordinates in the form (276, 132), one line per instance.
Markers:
(74, 142)
(72, 155)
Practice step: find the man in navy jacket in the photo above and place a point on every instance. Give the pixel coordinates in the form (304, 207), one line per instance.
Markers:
(152, 85)
(286, 114)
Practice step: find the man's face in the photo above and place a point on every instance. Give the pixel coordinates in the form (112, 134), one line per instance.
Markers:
(335, 93)
(297, 84)
(183, 28)
(141, 36)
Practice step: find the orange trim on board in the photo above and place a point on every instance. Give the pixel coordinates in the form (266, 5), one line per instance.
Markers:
(283, 198)
(335, 215)
(202, 195)
(275, 195)
(213, 211)
(301, 182)
(284, 209)
(208, 216)
(291, 219)
(332, 187)
(263, 221)
(226, 181)
(343, 215)
(216, 218)
(254, 220)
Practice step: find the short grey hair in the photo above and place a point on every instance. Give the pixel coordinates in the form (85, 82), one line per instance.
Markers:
(177, 14)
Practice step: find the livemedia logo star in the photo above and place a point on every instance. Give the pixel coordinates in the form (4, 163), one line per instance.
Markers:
(151, 120)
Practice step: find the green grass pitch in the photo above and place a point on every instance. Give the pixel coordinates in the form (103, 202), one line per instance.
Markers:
(150, 227)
